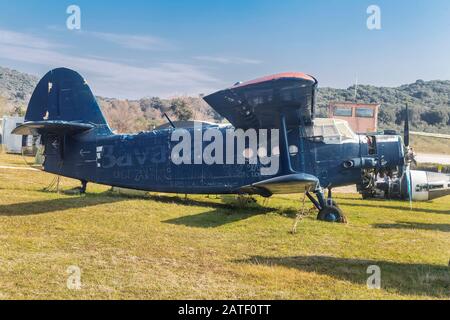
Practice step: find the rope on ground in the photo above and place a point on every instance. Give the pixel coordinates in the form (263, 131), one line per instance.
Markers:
(299, 216)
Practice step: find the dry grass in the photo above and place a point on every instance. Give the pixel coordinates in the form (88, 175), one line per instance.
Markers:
(165, 247)
(430, 145)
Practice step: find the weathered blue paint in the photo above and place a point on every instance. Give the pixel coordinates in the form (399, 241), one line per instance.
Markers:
(80, 145)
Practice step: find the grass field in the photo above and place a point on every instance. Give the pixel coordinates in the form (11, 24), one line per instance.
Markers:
(166, 247)
(430, 145)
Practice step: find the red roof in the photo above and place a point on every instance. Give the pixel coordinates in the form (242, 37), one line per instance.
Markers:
(278, 76)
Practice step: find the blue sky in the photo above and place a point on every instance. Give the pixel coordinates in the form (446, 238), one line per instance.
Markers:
(132, 49)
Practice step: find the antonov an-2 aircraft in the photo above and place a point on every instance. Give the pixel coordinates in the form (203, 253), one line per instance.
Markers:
(284, 149)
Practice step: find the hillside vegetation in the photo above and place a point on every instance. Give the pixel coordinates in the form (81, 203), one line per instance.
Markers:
(15, 91)
(429, 102)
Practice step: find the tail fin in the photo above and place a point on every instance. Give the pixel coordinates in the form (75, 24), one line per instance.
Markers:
(62, 101)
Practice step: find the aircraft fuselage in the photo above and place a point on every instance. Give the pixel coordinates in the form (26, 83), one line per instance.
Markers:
(145, 161)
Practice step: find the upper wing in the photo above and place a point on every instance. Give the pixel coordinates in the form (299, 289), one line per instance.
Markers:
(259, 103)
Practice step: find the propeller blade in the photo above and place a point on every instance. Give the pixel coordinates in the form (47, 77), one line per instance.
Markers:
(409, 157)
(409, 182)
(406, 139)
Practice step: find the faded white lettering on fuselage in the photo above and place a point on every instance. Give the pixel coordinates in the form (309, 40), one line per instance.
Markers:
(136, 157)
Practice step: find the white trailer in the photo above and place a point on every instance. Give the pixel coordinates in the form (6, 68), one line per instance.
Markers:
(12, 143)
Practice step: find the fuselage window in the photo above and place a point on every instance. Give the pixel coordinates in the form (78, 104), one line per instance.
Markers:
(293, 150)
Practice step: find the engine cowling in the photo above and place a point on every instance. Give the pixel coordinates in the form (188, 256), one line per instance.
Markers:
(426, 185)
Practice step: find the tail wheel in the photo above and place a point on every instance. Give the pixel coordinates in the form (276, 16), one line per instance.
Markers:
(332, 214)
(367, 195)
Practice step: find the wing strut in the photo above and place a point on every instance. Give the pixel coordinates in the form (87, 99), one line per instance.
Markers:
(286, 165)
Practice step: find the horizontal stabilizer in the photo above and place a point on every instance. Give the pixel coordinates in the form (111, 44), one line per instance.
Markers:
(56, 127)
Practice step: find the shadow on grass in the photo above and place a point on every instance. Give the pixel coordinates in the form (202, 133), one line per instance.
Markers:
(54, 205)
(382, 204)
(188, 202)
(212, 219)
(222, 215)
(414, 226)
(409, 279)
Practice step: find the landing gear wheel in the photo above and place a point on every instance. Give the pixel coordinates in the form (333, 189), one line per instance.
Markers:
(332, 204)
(332, 214)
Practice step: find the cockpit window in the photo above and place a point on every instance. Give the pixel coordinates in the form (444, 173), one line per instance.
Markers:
(331, 130)
(345, 130)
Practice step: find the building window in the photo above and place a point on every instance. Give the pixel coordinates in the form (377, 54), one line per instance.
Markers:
(343, 112)
(365, 113)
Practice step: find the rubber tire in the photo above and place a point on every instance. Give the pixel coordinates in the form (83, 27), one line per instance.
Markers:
(332, 214)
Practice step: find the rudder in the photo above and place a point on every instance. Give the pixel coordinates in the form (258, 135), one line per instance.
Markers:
(63, 95)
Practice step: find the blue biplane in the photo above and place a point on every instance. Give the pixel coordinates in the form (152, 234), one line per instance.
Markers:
(311, 154)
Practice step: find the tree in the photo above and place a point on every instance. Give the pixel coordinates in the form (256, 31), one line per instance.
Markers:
(181, 109)
(435, 117)
(3, 106)
(414, 116)
(18, 110)
(152, 103)
(124, 116)
(387, 115)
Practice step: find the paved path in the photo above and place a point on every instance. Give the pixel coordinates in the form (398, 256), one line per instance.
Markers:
(18, 168)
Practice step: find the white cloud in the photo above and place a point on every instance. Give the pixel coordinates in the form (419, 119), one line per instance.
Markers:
(128, 41)
(111, 78)
(228, 60)
(8, 37)
(137, 42)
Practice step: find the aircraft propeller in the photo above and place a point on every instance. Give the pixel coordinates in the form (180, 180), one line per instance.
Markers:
(409, 157)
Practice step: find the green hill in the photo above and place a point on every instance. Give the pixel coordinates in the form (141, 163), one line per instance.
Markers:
(429, 102)
(15, 90)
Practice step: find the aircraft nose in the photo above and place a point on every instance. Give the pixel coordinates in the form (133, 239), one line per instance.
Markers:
(426, 185)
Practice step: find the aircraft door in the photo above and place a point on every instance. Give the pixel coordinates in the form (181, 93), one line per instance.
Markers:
(52, 151)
